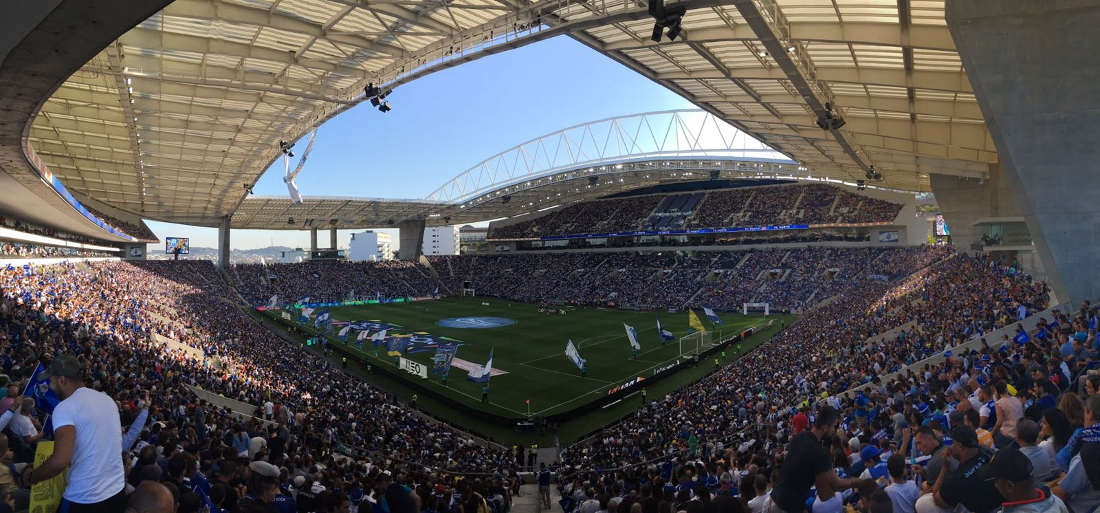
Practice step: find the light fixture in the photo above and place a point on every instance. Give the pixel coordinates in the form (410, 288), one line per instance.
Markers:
(664, 17)
(790, 49)
(385, 107)
(762, 53)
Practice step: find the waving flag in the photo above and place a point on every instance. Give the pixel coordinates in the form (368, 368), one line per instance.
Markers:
(632, 336)
(435, 293)
(38, 388)
(303, 300)
(379, 338)
(665, 334)
(574, 356)
(351, 295)
(273, 302)
(323, 319)
(304, 318)
(711, 315)
(482, 373)
(694, 322)
(344, 334)
(441, 362)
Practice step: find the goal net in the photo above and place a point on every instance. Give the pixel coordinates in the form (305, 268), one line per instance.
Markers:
(756, 307)
(468, 292)
(696, 343)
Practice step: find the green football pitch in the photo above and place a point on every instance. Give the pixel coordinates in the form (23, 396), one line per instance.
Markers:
(530, 352)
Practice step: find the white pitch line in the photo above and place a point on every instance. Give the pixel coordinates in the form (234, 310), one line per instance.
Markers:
(566, 374)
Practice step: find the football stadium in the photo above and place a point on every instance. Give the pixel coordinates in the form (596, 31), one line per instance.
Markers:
(774, 256)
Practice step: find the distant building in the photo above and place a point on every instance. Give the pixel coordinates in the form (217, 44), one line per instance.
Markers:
(293, 256)
(370, 245)
(441, 240)
(471, 238)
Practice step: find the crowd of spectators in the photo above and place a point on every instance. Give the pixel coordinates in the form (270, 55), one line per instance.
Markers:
(24, 250)
(325, 430)
(747, 207)
(727, 433)
(330, 281)
(136, 230)
(318, 445)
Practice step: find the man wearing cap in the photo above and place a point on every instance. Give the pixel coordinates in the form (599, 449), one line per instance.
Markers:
(967, 484)
(87, 438)
(875, 468)
(262, 489)
(1011, 472)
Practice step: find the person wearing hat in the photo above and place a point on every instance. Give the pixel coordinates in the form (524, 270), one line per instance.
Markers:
(87, 439)
(965, 485)
(262, 489)
(874, 468)
(1011, 472)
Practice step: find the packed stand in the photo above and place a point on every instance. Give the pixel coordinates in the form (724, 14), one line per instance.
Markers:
(317, 443)
(333, 281)
(770, 205)
(138, 231)
(1031, 394)
(24, 250)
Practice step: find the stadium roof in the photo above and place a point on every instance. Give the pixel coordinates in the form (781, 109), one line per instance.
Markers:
(184, 111)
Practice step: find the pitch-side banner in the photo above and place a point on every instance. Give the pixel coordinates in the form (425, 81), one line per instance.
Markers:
(412, 367)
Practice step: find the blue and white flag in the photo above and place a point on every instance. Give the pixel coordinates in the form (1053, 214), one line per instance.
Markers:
(435, 293)
(273, 302)
(482, 373)
(711, 315)
(351, 295)
(324, 318)
(632, 336)
(574, 356)
(303, 300)
(379, 338)
(441, 362)
(665, 334)
(39, 388)
(343, 335)
(304, 317)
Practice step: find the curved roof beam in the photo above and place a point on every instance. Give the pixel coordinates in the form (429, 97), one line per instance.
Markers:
(673, 134)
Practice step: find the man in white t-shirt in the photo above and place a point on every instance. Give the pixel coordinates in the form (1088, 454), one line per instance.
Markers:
(87, 439)
(23, 424)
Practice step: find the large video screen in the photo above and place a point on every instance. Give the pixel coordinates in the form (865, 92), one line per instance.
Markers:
(171, 244)
(941, 226)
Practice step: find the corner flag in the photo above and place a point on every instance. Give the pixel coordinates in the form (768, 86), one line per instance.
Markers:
(665, 334)
(711, 315)
(694, 322)
(632, 336)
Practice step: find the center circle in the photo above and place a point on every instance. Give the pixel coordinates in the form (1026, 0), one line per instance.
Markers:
(475, 323)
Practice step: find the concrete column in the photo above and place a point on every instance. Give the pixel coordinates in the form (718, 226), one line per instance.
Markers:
(411, 236)
(332, 238)
(1034, 75)
(965, 200)
(223, 243)
(312, 239)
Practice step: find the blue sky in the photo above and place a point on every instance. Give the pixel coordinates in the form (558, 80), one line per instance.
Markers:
(447, 122)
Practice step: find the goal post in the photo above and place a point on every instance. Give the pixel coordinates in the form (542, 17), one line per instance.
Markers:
(745, 307)
(696, 343)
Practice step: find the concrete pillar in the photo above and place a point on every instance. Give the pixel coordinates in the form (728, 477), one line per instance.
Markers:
(411, 236)
(312, 239)
(1034, 73)
(332, 238)
(223, 243)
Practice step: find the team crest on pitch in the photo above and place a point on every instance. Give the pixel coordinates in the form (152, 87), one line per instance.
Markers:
(475, 322)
